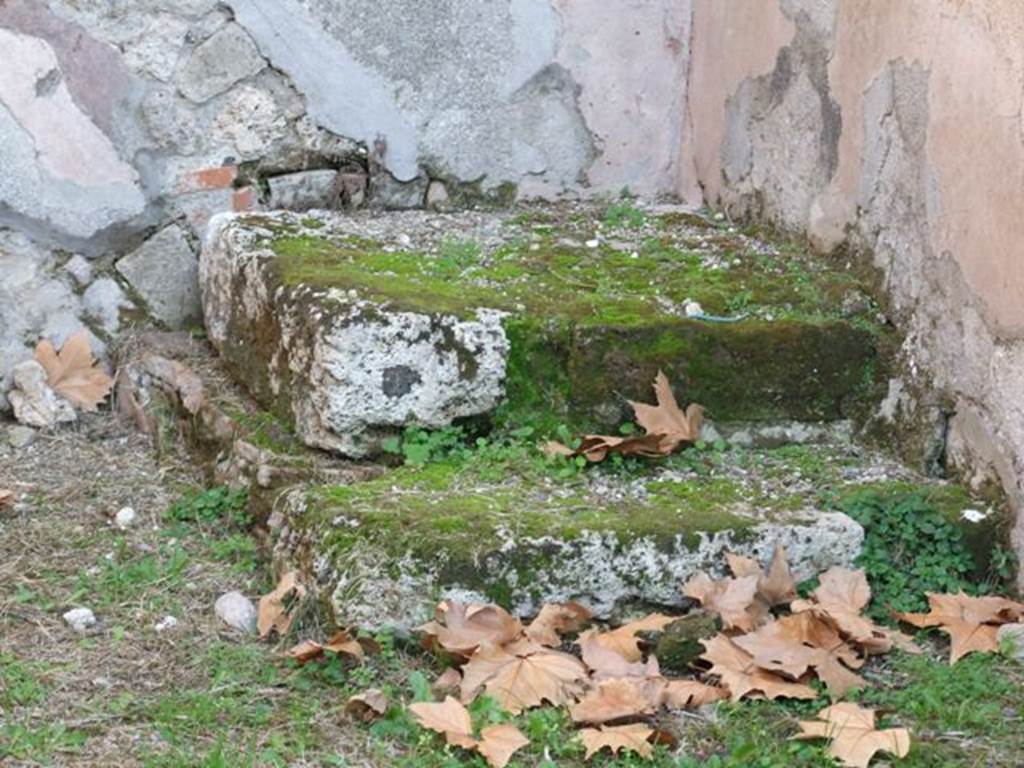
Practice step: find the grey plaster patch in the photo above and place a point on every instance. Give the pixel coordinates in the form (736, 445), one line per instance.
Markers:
(469, 91)
(220, 62)
(781, 146)
(164, 273)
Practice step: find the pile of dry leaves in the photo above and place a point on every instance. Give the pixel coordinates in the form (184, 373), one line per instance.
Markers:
(772, 645)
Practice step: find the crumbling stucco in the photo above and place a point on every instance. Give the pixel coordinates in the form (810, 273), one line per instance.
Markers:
(922, 166)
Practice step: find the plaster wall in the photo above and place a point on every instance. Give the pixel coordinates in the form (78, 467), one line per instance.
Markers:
(896, 129)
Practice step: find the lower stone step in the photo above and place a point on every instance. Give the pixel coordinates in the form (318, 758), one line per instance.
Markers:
(353, 327)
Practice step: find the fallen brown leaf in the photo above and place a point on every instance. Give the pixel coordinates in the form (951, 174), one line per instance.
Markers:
(72, 373)
(667, 427)
(970, 622)
(497, 743)
(368, 705)
(447, 682)
(342, 643)
(277, 609)
(623, 640)
(735, 600)
(557, 619)
(841, 596)
(854, 740)
(449, 718)
(667, 419)
(689, 694)
(606, 663)
(801, 641)
(6, 497)
(460, 628)
(522, 675)
(617, 699)
(742, 676)
(633, 738)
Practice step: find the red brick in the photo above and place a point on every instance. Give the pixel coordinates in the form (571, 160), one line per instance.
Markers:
(243, 199)
(209, 178)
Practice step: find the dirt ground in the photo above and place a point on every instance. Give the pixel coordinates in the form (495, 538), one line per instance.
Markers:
(125, 693)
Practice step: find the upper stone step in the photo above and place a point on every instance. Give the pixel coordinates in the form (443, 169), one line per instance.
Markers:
(354, 326)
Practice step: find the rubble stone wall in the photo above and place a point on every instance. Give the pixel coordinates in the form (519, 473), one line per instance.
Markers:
(894, 129)
(126, 124)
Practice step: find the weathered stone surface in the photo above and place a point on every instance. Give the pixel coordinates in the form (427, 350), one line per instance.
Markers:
(34, 403)
(385, 551)
(33, 303)
(306, 190)
(347, 370)
(237, 611)
(164, 273)
(343, 322)
(219, 63)
(103, 302)
(388, 192)
(80, 269)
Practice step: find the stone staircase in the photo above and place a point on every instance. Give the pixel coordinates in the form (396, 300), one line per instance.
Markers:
(343, 331)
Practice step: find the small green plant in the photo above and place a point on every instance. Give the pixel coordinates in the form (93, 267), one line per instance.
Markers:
(909, 549)
(624, 214)
(456, 256)
(217, 505)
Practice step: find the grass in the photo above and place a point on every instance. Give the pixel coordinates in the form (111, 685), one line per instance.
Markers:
(126, 695)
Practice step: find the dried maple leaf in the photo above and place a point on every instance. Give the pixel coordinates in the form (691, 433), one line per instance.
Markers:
(605, 663)
(449, 718)
(623, 640)
(667, 419)
(633, 738)
(522, 675)
(368, 705)
(854, 740)
(618, 699)
(796, 643)
(277, 609)
(341, 643)
(72, 373)
(447, 682)
(497, 743)
(742, 676)
(735, 600)
(667, 428)
(461, 628)
(556, 619)
(970, 622)
(777, 586)
(689, 694)
(841, 597)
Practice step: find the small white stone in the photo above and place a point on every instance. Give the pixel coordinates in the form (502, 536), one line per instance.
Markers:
(237, 611)
(974, 515)
(80, 619)
(125, 518)
(693, 309)
(719, 217)
(404, 240)
(593, 243)
(166, 623)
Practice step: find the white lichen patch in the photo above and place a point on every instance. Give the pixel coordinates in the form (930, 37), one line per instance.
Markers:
(376, 591)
